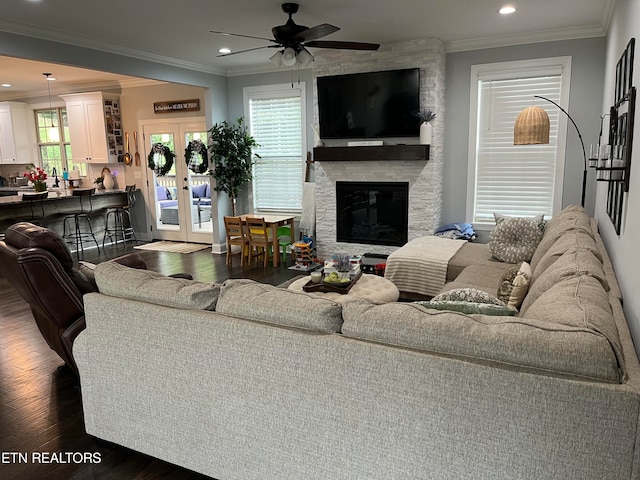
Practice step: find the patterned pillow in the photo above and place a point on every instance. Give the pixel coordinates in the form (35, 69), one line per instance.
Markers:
(514, 285)
(514, 240)
(468, 295)
(539, 219)
(506, 283)
(470, 307)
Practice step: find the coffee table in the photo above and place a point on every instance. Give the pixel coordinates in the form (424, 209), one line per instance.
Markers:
(370, 287)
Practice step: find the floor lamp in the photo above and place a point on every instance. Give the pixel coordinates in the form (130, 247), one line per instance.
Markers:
(532, 127)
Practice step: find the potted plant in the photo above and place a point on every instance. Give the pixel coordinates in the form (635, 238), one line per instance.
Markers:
(425, 127)
(230, 147)
(37, 176)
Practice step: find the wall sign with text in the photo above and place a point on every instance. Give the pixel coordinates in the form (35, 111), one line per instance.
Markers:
(177, 106)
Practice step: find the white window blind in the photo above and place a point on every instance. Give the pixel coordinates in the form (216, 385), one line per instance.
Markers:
(275, 121)
(517, 180)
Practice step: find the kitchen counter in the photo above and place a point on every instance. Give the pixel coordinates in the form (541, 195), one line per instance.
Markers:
(60, 203)
(13, 195)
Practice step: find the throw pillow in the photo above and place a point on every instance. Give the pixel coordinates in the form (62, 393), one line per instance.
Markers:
(506, 283)
(539, 219)
(514, 285)
(514, 240)
(161, 192)
(469, 307)
(468, 295)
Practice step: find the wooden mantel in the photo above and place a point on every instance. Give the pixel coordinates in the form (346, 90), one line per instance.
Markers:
(371, 153)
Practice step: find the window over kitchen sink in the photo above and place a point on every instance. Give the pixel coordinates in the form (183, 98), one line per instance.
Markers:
(54, 147)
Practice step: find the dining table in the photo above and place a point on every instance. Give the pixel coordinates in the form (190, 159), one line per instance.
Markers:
(274, 221)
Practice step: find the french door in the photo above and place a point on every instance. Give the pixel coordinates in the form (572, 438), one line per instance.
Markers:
(180, 198)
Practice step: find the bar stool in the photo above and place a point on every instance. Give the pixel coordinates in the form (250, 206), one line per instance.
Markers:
(75, 234)
(35, 200)
(117, 214)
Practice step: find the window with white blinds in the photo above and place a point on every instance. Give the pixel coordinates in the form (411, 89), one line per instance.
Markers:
(516, 180)
(275, 119)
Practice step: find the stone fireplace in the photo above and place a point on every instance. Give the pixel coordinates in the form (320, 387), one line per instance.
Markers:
(418, 174)
(423, 175)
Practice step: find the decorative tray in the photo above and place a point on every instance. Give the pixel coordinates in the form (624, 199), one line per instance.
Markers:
(342, 288)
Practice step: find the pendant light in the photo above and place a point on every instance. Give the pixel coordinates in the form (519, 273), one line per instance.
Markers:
(54, 134)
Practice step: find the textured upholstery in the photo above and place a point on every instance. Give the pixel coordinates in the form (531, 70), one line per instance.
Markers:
(371, 287)
(279, 384)
(266, 303)
(570, 350)
(147, 286)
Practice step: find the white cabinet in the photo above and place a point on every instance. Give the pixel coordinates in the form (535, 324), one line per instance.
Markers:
(14, 133)
(95, 128)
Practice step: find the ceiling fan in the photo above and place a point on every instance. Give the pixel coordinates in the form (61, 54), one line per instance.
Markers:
(293, 40)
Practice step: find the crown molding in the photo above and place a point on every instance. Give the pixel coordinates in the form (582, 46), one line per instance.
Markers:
(525, 38)
(43, 33)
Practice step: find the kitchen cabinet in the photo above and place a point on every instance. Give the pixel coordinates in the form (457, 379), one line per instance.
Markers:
(95, 128)
(14, 133)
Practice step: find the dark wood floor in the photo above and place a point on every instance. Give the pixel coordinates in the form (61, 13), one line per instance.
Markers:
(40, 403)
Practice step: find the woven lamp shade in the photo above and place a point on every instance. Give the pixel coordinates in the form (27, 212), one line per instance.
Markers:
(532, 127)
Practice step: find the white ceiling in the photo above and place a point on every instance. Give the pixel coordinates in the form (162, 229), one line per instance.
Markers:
(177, 32)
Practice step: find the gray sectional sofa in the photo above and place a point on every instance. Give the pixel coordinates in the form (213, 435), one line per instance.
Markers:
(250, 381)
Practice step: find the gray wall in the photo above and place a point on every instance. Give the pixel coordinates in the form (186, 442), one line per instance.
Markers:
(585, 101)
(623, 248)
(235, 87)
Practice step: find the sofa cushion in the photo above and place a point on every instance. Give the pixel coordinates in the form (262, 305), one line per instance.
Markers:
(559, 226)
(471, 254)
(199, 191)
(162, 193)
(515, 240)
(579, 302)
(573, 263)
(542, 346)
(266, 303)
(152, 287)
(571, 240)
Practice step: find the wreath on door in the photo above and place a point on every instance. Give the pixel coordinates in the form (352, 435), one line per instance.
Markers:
(196, 156)
(160, 159)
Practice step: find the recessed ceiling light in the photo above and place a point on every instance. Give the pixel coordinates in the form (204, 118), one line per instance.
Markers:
(225, 50)
(507, 9)
(6, 85)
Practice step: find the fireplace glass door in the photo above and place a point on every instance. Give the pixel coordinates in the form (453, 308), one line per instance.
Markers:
(373, 213)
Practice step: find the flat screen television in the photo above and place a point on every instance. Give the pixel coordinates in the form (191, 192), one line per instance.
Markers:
(370, 105)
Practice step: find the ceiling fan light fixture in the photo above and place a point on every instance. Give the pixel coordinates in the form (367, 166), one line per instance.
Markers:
(276, 59)
(289, 57)
(305, 58)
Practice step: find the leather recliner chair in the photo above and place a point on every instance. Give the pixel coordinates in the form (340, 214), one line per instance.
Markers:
(39, 266)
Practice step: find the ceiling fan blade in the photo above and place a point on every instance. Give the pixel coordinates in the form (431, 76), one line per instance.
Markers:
(343, 45)
(241, 35)
(247, 50)
(313, 33)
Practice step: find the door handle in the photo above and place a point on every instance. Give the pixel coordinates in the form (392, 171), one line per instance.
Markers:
(185, 188)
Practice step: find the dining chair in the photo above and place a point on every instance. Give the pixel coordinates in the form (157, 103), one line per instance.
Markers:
(261, 241)
(283, 234)
(236, 237)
